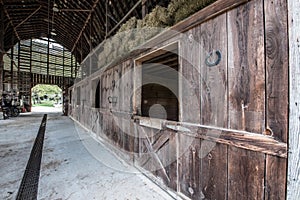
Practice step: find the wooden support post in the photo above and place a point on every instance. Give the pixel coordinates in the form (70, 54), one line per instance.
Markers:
(31, 76)
(65, 100)
(293, 182)
(63, 63)
(48, 52)
(12, 64)
(106, 18)
(19, 60)
(144, 8)
(125, 17)
(71, 65)
(1, 48)
(76, 69)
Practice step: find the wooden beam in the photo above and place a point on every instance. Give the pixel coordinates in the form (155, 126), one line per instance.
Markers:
(71, 65)
(19, 61)
(1, 47)
(12, 65)
(28, 17)
(10, 21)
(125, 17)
(74, 10)
(30, 55)
(106, 18)
(85, 24)
(63, 63)
(240, 139)
(144, 8)
(293, 179)
(48, 56)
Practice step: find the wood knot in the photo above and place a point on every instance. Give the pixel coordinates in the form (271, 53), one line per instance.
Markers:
(268, 131)
(191, 38)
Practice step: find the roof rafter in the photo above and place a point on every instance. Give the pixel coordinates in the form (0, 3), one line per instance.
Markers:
(125, 17)
(28, 17)
(10, 21)
(85, 24)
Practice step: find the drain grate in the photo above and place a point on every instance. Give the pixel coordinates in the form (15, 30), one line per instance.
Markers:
(29, 184)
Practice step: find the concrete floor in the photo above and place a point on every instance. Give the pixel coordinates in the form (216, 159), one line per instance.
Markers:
(69, 169)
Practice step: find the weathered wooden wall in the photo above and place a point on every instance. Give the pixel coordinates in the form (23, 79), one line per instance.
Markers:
(230, 141)
(293, 179)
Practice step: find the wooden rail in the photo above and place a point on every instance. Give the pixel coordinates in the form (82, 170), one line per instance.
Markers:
(242, 139)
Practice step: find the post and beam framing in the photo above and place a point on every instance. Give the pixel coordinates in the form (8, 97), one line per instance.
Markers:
(12, 65)
(1, 47)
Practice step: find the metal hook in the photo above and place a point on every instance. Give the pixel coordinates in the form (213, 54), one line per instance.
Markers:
(211, 64)
(112, 99)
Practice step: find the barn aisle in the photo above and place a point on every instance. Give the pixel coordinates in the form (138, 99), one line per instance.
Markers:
(69, 170)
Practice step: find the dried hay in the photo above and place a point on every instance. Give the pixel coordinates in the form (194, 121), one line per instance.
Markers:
(181, 9)
(135, 31)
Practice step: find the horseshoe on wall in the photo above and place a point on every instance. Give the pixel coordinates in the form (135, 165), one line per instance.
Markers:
(216, 62)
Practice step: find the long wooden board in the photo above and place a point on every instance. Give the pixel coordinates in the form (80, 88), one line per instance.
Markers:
(276, 93)
(246, 75)
(213, 79)
(246, 69)
(189, 59)
(189, 166)
(213, 171)
(245, 174)
(214, 112)
(293, 191)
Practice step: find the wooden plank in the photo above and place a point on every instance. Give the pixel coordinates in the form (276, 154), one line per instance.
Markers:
(293, 191)
(126, 86)
(213, 80)
(276, 67)
(241, 139)
(213, 171)
(245, 174)
(246, 70)
(137, 88)
(157, 154)
(213, 83)
(276, 93)
(128, 136)
(167, 157)
(189, 166)
(189, 59)
(104, 90)
(275, 177)
(115, 85)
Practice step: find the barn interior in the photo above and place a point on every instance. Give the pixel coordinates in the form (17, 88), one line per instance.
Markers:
(199, 96)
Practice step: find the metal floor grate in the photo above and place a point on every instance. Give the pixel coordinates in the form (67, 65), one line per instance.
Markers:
(29, 184)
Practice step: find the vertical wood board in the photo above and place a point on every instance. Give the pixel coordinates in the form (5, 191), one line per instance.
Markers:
(189, 60)
(293, 183)
(245, 174)
(276, 93)
(189, 166)
(213, 79)
(275, 178)
(277, 67)
(246, 69)
(213, 171)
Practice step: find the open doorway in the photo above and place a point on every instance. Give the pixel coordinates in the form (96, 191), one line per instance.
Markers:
(46, 98)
